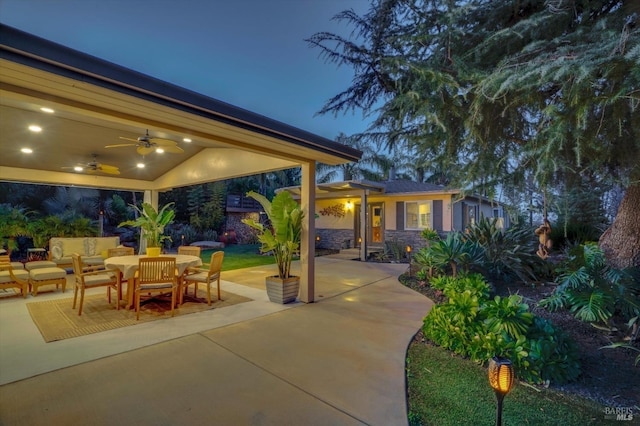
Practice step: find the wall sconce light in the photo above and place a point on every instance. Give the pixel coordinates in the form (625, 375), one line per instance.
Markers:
(348, 205)
(501, 377)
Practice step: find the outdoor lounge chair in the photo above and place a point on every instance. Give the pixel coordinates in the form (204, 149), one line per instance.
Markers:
(12, 276)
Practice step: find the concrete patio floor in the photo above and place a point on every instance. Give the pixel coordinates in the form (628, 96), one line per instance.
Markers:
(338, 361)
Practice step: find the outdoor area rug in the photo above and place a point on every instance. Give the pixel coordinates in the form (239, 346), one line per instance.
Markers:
(56, 320)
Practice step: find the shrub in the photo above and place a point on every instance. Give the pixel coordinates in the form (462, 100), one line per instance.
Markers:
(454, 252)
(507, 253)
(471, 325)
(475, 283)
(424, 258)
(507, 314)
(591, 289)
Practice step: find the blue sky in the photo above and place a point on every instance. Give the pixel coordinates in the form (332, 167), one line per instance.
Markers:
(249, 53)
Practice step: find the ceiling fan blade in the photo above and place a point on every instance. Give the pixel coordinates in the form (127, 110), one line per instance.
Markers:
(120, 145)
(173, 149)
(107, 167)
(142, 150)
(109, 171)
(129, 139)
(163, 142)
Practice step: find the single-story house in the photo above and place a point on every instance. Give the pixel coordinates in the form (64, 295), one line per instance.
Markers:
(396, 210)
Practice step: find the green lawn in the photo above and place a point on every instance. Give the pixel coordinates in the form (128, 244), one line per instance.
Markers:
(444, 389)
(237, 256)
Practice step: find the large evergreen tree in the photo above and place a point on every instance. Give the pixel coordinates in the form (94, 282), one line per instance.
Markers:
(501, 90)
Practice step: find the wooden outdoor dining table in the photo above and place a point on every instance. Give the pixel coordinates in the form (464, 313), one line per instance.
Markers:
(128, 265)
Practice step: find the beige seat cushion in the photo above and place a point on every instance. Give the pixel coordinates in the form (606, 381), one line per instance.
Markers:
(30, 266)
(17, 266)
(91, 280)
(21, 274)
(42, 274)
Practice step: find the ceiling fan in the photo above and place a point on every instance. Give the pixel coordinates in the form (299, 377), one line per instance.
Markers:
(94, 167)
(146, 145)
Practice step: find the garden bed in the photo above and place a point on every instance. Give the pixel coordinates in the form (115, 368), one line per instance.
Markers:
(608, 375)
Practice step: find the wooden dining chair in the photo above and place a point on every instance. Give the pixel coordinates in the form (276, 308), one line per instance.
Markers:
(190, 250)
(156, 275)
(120, 251)
(204, 276)
(89, 278)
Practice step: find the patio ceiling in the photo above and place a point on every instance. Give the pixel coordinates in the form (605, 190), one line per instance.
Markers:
(96, 102)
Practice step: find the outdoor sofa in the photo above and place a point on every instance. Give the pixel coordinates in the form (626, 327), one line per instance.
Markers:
(92, 249)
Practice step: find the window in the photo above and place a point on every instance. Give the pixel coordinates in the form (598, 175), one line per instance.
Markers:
(498, 214)
(418, 215)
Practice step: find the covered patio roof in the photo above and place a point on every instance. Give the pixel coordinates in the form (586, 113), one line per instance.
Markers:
(82, 104)
(96, 102)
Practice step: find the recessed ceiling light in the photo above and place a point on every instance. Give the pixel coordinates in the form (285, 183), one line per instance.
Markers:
(187, 140)
(27, 150)
(159, 150)
(77, 168)
(35, 128)
(47, 110)
(140, 165)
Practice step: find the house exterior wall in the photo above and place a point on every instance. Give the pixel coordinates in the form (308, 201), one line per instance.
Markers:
(462, 208)
(335, 223)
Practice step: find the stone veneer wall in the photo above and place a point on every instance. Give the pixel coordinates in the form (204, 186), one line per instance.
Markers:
(244, 234)
(412, 238)
(335, 238)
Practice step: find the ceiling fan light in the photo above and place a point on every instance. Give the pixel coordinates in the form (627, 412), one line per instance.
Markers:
(159, 150)
(78, 168)
(187, 140)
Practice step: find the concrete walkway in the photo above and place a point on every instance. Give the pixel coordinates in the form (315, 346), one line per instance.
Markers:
(339, 361)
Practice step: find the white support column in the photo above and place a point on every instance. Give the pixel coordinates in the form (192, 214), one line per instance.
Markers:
(307, 243)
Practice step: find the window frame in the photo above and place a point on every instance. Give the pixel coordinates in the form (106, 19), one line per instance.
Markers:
(418, 203)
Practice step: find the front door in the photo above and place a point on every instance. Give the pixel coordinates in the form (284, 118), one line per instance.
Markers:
(376, 224)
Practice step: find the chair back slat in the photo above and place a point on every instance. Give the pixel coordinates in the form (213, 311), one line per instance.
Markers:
(120, 251)
(216, 262)
(156, 269)
(189, 250)
(5, 262)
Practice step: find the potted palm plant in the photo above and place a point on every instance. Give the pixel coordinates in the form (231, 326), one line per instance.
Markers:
(152, 223)
(282, 240)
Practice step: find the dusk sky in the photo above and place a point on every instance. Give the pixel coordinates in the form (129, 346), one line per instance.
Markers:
(249, 53)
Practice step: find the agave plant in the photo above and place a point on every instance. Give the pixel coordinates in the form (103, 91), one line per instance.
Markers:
(507, 253)
(454, 252)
